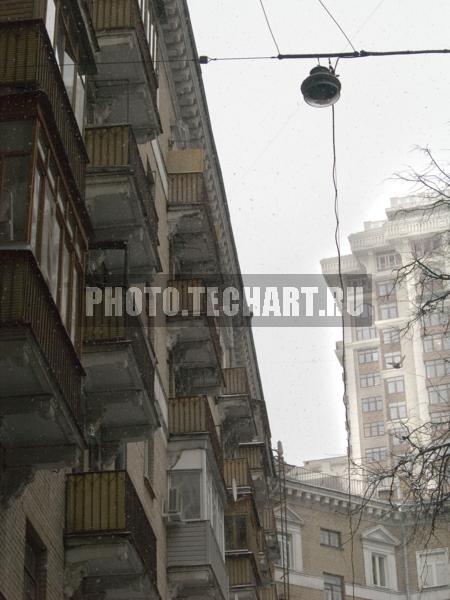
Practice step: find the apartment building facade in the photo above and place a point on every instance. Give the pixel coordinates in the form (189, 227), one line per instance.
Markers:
(396, 375)
(338, 545)
(135, 454)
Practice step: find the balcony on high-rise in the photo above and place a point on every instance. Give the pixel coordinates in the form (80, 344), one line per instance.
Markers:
(120, 202)
(191, 418)
(125, 89)
(120, 370)
(42, 248)
(242, 545)
(192, 232)
(196, 351)
(111, 549)
(194, 509)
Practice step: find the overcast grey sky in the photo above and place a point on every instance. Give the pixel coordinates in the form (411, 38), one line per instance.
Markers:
(275, 153)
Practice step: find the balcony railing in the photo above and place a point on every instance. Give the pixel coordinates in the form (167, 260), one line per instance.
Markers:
(122, 328)
(322, 480)
(193, 304)
(186, 189)
(106, 504)
(126, 14)
(236, 382)
(190, 416)
(115, 148)
(26, 302)
(254, 453)
(237, 469)
(27, 62)
(241, 571)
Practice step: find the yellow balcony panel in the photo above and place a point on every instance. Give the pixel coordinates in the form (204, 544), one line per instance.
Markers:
(193, 235)
(242, 576)
(126, 84)
(120, 202)
(120, 369)
(110, 543)
(234, 398)
(189, 416)
(41, 411)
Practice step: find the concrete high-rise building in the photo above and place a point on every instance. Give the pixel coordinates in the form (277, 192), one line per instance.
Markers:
(396, 375)
(135, 453)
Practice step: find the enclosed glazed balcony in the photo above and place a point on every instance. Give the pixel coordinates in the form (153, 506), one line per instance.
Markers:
(193, 236)
(196, 349)
(120, 202)
(196, 567)
(41, 412)
(110, 544)
(28, 65)
(190, 417)
(236, 471)
(120, 370)
(126, 85)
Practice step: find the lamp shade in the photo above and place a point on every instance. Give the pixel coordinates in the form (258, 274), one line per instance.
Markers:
(321, 88)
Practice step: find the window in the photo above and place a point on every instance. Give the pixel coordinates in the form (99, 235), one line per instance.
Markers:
(439, 394)
(386, 288)
(395, 385)
(388, 261)
(188, 485)
(440, 421)
(397, 410)
(432, 343)
(74, 81)
(372, 404)
(149, 23)
(333, 586)
(397, 435)
(368, 356)
(374, 455)
(286, 550)
(433, 568)
(388, 311)
(330, 538)
(365, 333)
(391, 336)
(56, 238)
(392, 360)
(15, 161)
(434, 319)
(369, 380)
(379, 570)
(236, 532)
(437, 368)
(374, 429)
(34, 566)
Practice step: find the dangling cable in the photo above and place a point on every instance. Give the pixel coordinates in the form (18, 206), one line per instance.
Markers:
(337, 239)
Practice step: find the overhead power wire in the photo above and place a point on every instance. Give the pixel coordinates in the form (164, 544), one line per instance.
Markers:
(269, 27)
(337, 24)
(315, 55)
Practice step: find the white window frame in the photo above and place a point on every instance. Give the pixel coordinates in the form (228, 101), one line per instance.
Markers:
(424, 559)
(388, 311)
(373, 547)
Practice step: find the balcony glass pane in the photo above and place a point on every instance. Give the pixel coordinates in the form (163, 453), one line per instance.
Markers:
(188, 485)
